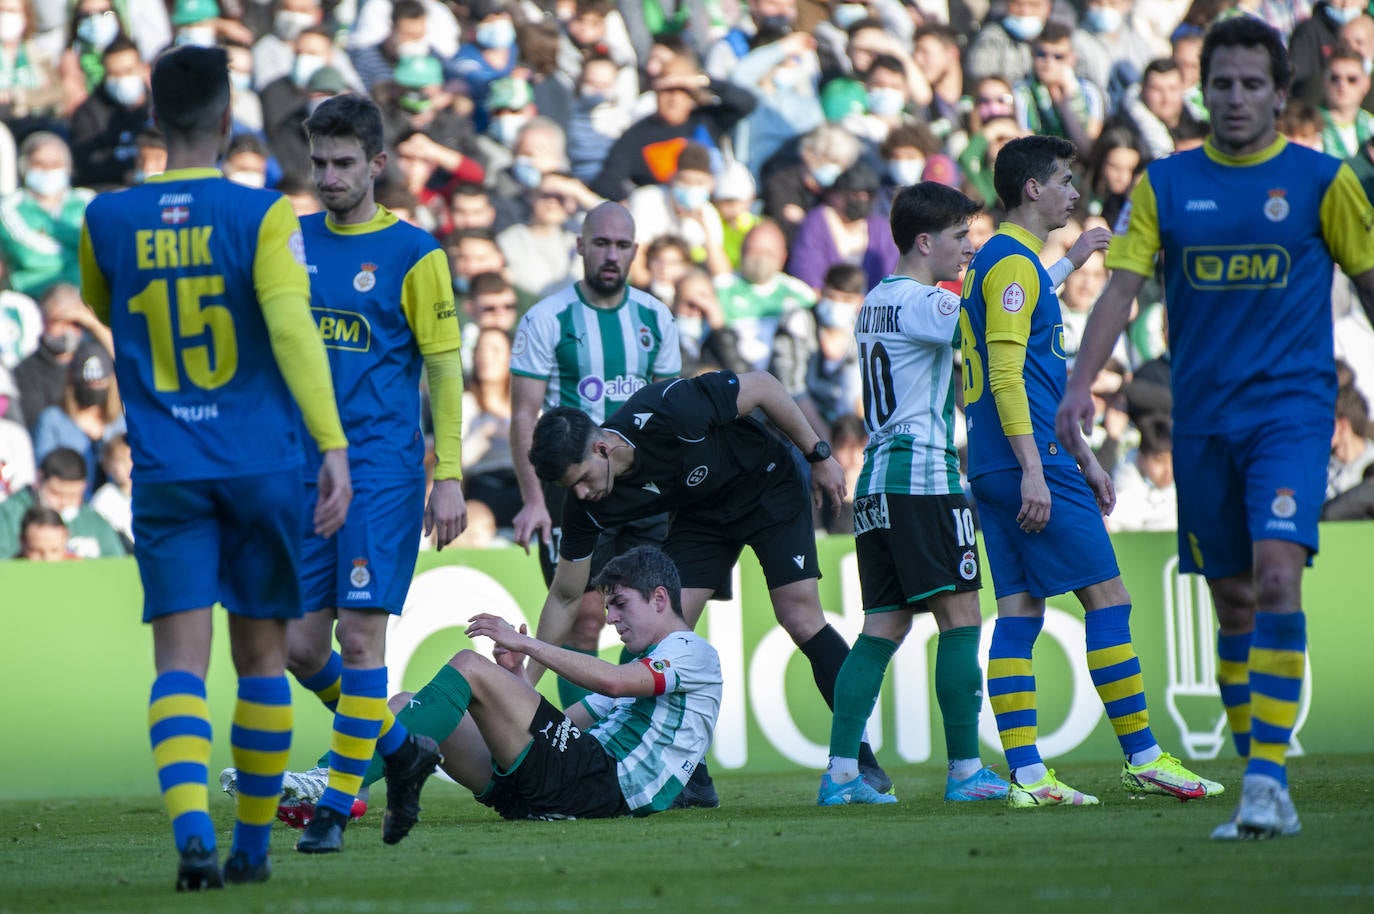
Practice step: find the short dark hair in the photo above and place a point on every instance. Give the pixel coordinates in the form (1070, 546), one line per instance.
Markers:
(1342, 51)
(458, 236)
(848, 427)
(889, 62)
(927, 208)
(1053, 33)
(846, 277)
(64, 463)
(1156, 433)
(488, 283)
(407, 9)
(247, 142)
(1158, 66)
(1248, 32)
(348, 115)
(121, 43)
(1026, 158)
(191, 90)
(642, 569)
(562, 437)
(940, 30)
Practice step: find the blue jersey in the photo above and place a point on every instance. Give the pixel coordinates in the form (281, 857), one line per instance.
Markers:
(382, 298)
(1248, 245)
(178, 267)
(1008, 297)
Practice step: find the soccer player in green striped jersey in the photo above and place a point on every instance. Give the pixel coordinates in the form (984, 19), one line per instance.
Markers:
(912, 523)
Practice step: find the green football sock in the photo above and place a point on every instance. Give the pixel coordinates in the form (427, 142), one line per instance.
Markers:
(856, 691)
(959, 690)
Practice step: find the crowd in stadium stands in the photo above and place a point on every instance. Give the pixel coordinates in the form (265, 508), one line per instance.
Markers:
(758, 145)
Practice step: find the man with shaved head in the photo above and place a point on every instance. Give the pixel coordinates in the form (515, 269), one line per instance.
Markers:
(590, 345)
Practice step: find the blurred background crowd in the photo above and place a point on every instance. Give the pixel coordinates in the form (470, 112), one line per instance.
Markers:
(757, 143)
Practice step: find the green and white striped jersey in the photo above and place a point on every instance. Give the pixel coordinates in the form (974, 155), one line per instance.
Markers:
(906, 333)
(592, 358)
(658, 741)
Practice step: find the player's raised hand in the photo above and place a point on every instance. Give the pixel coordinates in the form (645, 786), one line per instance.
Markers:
(446, 514)
(336, 492)
(507, 659)
(1035, 502)
(532, 518)
(827, 478)
(486, 625)
(1094, 239)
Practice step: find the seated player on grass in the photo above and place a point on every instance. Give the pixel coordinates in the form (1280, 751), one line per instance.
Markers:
(626, 749)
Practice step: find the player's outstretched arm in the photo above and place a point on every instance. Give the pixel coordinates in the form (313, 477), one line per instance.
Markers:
(560, 607)
(615, 681)
(760, 390)
(1108, 320)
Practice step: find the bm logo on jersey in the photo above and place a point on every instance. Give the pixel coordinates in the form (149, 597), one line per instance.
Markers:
(347, 330)
(1237, 266)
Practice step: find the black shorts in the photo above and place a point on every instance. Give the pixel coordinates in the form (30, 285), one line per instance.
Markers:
(613, 541)
(705, 553)
(564, 773)
(911, 547)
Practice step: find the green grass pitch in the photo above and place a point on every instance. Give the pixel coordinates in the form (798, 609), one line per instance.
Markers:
(768, 848)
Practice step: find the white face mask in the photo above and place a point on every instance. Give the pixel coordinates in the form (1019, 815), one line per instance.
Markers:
(248, 178)
(506, 128)
(202, 36)
(846, 14)
(127, 90)
(498, 34)
(418, 48)
(1023, 28)
(691, 328)
(12, 27)
(305, 67)
(906, 171)
(47, 182)
(99, 29)
(885, 102)
(240, 80)
(69, 513)
(288, 24)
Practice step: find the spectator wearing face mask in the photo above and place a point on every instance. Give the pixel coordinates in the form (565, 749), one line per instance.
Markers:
(844, 228)
(105, 128)
(793, 184)
(407, 39)
(16, 447)
(783, 75)
(490, 55)
(79, 421)
(60, 485)
(71, 333)
(30, 91)
(600, 114)
(765, 22)
(1312, 42)
(681, 207)
(757, 296)
(91, 27)
(40, 223)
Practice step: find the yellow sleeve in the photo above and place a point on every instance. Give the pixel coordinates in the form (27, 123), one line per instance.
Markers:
(95, 290)
(427, 301)
(445, 371)
(1348, 222)
(283, 290)
(1134, 247)
(1010, 291)
(1007, 381)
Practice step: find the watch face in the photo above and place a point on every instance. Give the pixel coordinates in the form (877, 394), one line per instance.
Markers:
(820, 452)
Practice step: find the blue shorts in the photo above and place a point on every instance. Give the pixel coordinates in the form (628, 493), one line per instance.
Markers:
(233, 541)
(1235, 488)
(369, 563)
(1073, 550)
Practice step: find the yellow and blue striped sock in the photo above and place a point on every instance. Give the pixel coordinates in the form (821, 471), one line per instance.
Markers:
(1011, 687)
(1277, 661)
(179, 729)
(261, 744)
(356, 725)
(1233, 676)
(1115, 671)
(328, 682)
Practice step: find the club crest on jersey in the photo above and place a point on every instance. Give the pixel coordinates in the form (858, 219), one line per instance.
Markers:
(1284, 504)
(1013, 298)
(522, 342)
(1276, 207)
(697, 476)
(366, 278)
(646, 339)
(360, 577)
(968, 566)
(658, 666)
(947, 304)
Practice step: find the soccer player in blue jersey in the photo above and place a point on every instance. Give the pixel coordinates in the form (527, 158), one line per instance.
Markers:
(204, 287)
(1041, 513)
(383, 298)
(1249, 227)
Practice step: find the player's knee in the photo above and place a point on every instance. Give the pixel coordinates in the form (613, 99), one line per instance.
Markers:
(469, 663)
(1278, 586)
(397, 703)
(305, 660)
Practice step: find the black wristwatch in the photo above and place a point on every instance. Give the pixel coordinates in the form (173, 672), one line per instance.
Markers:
(820, 452)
